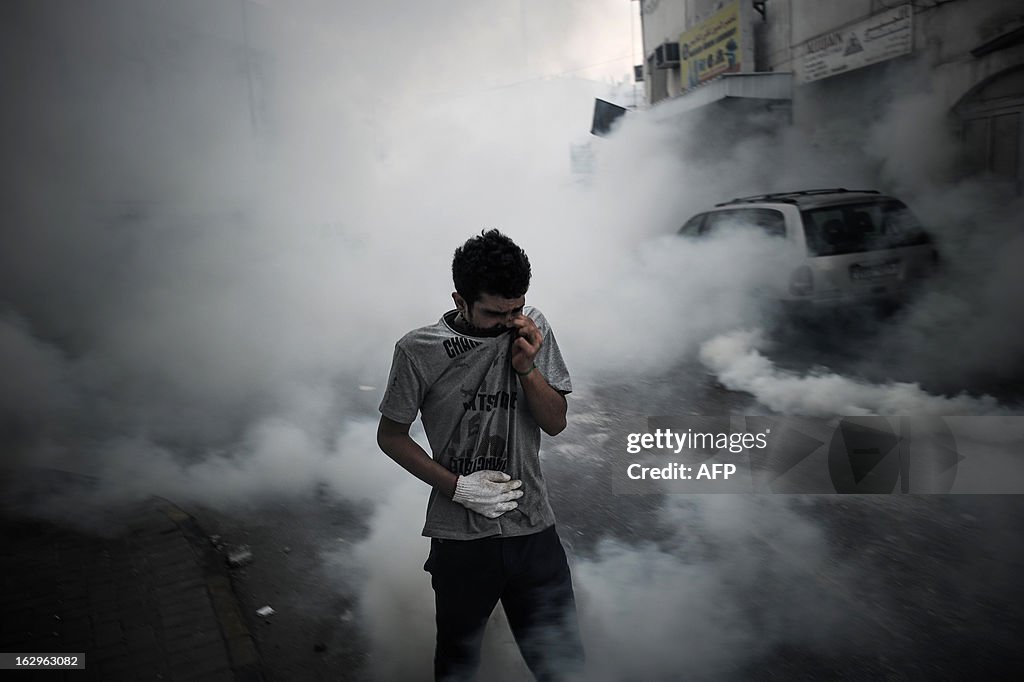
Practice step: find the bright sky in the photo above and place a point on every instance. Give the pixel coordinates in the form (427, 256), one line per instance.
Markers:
(502, 41)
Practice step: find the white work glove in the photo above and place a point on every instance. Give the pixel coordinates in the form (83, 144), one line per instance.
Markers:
(491, 493)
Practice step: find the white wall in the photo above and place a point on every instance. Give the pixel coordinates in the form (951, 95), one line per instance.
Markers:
(662, 20)
(811, 18)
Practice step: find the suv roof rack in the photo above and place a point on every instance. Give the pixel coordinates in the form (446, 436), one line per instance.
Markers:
(792, 197)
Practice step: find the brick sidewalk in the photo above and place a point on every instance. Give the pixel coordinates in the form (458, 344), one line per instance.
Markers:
(153, 602)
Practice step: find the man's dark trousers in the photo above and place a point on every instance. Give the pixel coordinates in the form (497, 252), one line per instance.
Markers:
(530, 575)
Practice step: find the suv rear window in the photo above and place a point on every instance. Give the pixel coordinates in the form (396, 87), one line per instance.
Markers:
(855, 228)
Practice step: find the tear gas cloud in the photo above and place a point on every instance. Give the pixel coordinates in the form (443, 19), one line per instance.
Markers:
(203, 274)
(191, 270)
(174, 279)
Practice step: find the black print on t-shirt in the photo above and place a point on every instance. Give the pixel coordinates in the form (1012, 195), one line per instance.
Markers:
(485, 402)
(491, 455)
(458, 345)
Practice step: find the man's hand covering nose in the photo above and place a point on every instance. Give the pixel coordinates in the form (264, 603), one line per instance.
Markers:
(491, 493)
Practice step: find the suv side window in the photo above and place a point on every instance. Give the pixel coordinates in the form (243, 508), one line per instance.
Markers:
(692, 228)
(770, 220)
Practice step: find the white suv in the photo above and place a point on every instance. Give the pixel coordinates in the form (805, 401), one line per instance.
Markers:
(854, 246)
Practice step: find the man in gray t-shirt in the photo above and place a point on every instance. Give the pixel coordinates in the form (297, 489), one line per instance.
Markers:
(486, 379)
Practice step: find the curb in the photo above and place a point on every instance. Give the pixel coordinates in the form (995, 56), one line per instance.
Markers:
(246, 664)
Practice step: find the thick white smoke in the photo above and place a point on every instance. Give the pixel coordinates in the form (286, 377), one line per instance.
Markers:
(740, 366)
(257, 240)
(204, 277)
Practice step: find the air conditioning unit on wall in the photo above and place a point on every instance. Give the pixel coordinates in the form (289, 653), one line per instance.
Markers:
(666, 56)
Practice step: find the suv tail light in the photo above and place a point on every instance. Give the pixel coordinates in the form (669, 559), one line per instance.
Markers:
(801, 281)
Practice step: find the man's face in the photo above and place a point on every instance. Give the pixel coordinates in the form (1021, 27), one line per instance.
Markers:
(492, 313)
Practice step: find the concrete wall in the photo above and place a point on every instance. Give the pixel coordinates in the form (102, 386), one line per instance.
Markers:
(661, 21)
(947, 35)
(773, 35)
(810, 18)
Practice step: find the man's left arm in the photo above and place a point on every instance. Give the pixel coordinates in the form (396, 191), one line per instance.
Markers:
(547, 405)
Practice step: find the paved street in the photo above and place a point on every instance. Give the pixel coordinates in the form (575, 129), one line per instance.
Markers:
(719, 587)
(140, 593)
(917, 587)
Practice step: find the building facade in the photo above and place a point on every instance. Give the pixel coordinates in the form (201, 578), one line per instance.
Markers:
(815, 61)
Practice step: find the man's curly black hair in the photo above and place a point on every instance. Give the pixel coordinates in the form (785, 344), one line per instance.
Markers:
(490, 263)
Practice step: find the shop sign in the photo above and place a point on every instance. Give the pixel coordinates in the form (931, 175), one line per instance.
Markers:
(884, 36)
(717, 46)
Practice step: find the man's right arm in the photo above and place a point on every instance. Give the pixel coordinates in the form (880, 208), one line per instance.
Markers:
(394, 439)
(489, 493)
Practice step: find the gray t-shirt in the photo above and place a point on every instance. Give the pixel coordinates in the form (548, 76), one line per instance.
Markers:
(475, 418)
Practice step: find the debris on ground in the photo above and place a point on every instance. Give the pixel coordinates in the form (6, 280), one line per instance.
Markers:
(239, 556)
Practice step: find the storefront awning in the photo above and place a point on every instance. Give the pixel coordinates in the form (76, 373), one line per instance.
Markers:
(749, 86)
